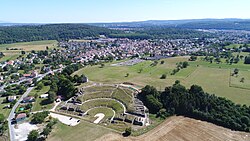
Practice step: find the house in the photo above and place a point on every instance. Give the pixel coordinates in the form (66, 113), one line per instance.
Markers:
(21, 117)
(28, 99)
(11, 98)
(44, 95)
(27, 75)
(34, 74)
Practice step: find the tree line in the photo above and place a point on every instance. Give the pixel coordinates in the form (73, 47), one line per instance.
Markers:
(12, 34)
(26, 33)
(196, 103)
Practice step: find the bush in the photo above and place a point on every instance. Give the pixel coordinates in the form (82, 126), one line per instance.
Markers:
(164, 76)
(33, 135)
(38, 118)
(127, 132)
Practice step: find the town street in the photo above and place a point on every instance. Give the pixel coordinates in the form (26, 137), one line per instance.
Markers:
(12, 114)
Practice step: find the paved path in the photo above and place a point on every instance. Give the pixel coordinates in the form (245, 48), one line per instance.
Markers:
(124, 107)
(12, 114)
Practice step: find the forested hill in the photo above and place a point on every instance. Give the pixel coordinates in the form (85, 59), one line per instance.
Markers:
(163, 32)
(12, 34)
(219, 24)
(26, 33)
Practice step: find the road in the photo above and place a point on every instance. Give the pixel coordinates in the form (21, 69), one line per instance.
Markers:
(12, 114)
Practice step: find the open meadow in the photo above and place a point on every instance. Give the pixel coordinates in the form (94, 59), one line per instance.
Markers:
(12, 51)
(213, 77)
(85, 131)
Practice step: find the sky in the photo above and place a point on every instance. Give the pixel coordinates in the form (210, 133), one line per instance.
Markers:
(90, 11)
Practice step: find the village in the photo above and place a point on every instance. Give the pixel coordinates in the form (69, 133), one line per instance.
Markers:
(26, 81)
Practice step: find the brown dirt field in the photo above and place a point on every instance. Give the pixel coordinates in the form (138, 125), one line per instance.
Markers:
(180, 128)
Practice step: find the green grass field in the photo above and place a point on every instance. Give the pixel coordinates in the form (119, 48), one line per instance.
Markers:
(106, 111)
(6, 111)
(214, 78)
(85, 131)
(25, 46)
(40, 103)
(121, 94)
(235, 45)
(236, 80)
(104, 103)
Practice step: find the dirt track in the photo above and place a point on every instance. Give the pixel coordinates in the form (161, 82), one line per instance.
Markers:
(184, 129)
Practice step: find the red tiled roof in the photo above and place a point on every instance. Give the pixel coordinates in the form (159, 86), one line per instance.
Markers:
(26, 75)
(22, 115)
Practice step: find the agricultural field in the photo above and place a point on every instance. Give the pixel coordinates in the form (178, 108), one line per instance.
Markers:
(12, 51)
(177, 128)
(40, 103)
(213, 77)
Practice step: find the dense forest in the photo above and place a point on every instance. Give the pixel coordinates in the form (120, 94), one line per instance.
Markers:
(195, 103)
(26, 33)
(12, 34)
(162, 32)
(220, 24)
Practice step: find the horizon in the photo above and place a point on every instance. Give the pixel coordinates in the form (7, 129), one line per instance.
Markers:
(111, 11)
(9, 22)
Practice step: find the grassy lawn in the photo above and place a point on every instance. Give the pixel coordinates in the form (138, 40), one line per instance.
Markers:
(105, 103)
(25, 46)
(111, 74)
(6, 111)
(106, 111)
(216, 81)
(125, 98)
(40, 103)
(94, 95)
(121, 94)
(85, 131)
(236, 80)
(213, 77)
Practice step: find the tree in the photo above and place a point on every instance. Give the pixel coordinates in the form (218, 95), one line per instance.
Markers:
(127, 75)
(2, 118)
(193, 58)
(33, 135)
(51, 96)
(236, 71)
(242, 80)
(38, 118)
(102, 65)
(164, 76)
(185, 64)
(127, 131)
(1, 55)
(3, 127)
(46, 131)
(39, 86)
(65, 87)
(247, 60)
